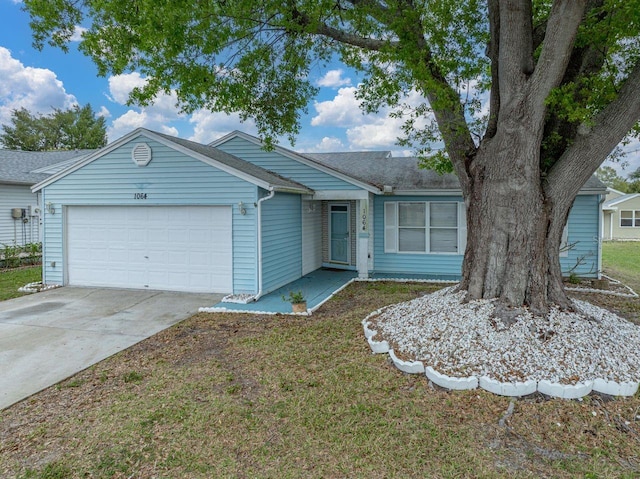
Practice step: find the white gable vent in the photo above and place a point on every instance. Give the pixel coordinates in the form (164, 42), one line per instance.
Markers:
(141, 154)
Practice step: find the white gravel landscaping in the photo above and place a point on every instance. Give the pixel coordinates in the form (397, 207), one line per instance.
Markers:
(463, 340)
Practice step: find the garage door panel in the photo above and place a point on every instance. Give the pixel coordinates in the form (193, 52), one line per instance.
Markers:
(182, 248)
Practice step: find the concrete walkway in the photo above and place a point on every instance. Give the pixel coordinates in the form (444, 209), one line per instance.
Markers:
(49, 336)
(316, 287)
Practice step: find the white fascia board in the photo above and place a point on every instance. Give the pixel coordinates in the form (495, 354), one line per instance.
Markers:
(340, 195)
(299, 158)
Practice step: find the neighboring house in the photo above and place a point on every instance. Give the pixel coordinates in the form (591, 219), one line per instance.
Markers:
(158, 212)
(19, 207)
(621, 216)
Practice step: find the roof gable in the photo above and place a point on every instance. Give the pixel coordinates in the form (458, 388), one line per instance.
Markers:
(212, 156)
(299, 158)
(612, 203)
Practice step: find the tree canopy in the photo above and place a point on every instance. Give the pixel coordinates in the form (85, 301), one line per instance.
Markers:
(75, 128)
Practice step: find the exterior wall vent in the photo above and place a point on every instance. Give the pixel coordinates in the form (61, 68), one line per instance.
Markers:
(141, 154)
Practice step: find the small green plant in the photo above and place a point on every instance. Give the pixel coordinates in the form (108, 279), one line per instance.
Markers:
(132, 377)
(295, 297)
(574, 278)
(11, 256)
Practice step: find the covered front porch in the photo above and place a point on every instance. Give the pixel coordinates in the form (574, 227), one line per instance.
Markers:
(316, 287)
(336, 232)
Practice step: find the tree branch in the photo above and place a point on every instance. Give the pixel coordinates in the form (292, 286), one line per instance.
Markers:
(594, 143)
(493, 49)
(562, 27)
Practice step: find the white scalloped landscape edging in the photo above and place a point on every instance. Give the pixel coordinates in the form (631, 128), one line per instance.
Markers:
(410, 367)
(378, 347)
(37, 287)
(613, 388)
(249, 311)
(368, 333)
(510, 389)
(565, 391)
(516, 389)
(456, 384)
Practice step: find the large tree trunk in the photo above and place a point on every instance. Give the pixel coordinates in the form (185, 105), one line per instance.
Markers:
(514, 227)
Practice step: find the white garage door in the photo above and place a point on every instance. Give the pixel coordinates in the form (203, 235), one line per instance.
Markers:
(175, 248)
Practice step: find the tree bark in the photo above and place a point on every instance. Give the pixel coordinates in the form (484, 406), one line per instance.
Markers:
(514, 226)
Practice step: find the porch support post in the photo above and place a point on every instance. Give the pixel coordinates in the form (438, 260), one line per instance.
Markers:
(362, 222)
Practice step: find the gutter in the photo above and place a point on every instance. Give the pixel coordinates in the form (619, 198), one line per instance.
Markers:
(265, 198)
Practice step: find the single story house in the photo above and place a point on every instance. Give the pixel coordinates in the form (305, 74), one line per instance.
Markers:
(159, 212)
(19, 206)
(621, 216)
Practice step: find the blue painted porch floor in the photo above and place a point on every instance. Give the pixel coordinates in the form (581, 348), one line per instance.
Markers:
(316, 287)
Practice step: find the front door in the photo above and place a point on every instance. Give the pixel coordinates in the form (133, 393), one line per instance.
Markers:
(339, 250)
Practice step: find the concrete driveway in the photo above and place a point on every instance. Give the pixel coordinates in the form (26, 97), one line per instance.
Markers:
(49, 336)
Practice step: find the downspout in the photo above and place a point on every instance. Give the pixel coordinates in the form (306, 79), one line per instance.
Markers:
(601, 234)
(265, 198)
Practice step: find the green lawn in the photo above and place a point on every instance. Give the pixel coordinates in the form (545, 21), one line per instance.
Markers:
(234, 396)
(12, 279)
(621, 260)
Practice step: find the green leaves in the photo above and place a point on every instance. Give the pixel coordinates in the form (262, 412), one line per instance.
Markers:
(256, 58)
(76, 128)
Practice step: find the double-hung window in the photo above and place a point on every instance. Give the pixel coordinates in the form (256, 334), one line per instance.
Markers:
(630, 219)
(424, 227)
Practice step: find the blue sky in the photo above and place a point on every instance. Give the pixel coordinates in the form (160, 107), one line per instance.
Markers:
(42, 80)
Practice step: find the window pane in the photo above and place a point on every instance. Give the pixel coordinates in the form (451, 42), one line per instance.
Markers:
(412, 240)
(444, 240)
(412, 214)
(626, 222)
(626, 214)
(444, 215)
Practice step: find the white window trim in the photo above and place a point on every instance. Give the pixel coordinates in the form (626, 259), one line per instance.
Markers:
(633, 218)
(392, 228)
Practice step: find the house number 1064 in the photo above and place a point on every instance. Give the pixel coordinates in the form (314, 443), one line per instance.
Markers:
(139, 196)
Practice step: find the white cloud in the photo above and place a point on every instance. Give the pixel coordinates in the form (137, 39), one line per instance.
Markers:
(77, 33)
(329, 144)
(333, 79)
(156, 116)
(209, 126)
(342, 111)
(364, 131)
(120, 86)
(36, 89)
(104, 112)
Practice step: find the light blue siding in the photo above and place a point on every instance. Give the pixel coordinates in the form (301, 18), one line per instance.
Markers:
(582, 234)
(287, 167)
(18, 231)
(582, 230)
(281, 241)
(171, 178)
(436, 266)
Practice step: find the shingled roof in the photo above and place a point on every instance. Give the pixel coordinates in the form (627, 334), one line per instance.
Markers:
(381, 169)
(19, 167)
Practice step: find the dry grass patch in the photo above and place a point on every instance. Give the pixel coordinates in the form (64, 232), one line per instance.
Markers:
(227, 395)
